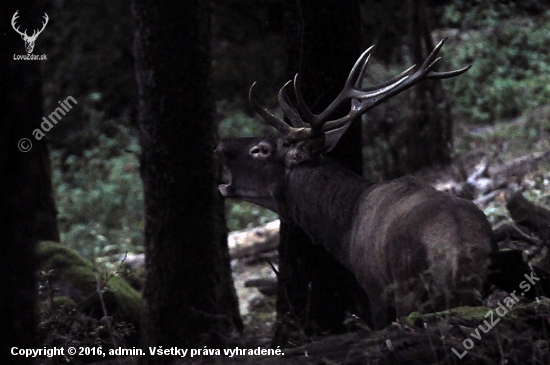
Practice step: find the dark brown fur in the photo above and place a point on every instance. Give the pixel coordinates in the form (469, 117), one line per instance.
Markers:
(410, 246)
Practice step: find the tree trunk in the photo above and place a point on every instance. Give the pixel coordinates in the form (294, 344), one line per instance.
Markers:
(27, 209)
(189, 298)
(423, 138)
(315, 291)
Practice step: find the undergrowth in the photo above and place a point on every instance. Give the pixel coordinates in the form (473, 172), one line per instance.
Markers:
(511, 66)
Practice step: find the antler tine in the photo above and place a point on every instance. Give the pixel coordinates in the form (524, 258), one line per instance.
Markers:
(447, 74)
(289, 111)
(425, 71)
(352, 90)
(367, 102)
(361, 65)
(390, 81)
(308, 115)
(357, 106)
(37, 32)
(362, 99)
(267, 116)
(290, 133)
(13, 20)
(354, 80)
(44, 23)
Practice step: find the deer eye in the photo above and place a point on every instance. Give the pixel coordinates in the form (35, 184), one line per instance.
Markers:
(254, 150)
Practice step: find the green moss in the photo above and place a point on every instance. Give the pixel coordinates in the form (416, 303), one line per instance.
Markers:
(472, 315)
(74, 278)
(57, 303)
(66, 302)
(467, 314)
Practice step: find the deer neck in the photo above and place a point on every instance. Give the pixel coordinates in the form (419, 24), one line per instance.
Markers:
(321, 199)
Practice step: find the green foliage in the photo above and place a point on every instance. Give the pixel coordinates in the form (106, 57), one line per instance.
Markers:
(99, 194)
(241, 215)
(236, 123)
(470, 14)
(99, 197)
(510, 73)
(506, 141)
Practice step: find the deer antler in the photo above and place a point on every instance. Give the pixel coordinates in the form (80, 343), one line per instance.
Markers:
(44, 23)
(13, 19)
(35, 33)
(362, 99)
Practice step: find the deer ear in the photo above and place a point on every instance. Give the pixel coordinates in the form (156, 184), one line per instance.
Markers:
(332, 137)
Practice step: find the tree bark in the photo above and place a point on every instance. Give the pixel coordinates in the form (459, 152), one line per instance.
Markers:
(27, 209)
(423, 138)
(315, 291)
(189, 298)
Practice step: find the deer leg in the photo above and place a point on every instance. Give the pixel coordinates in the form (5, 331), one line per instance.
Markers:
(409, 296)
(379, 310)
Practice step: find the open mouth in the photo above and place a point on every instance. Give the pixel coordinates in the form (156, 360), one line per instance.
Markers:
(226, 189)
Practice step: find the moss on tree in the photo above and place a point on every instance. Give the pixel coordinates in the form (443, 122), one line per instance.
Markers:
(74, 278)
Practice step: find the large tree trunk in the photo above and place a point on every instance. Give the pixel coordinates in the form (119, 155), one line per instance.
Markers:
(315, 291)
(27, 209)
(189, 298)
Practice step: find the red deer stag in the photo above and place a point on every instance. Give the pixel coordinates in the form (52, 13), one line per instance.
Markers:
(401, 234)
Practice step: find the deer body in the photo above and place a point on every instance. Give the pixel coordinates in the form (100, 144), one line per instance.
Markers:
(402, 234)
(406, 242)
(422, 243)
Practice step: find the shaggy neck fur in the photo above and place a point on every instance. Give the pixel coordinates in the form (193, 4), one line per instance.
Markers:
(321, 199)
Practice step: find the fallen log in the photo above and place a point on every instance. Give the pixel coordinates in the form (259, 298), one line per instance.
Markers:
(518, 167)
(255, 241)
(511, 231)
(527, 214)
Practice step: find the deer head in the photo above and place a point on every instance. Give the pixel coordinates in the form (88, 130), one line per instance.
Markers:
(29, 40)
(257, 165)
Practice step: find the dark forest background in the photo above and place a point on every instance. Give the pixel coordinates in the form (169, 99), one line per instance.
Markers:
(130, 168)
(90, 48)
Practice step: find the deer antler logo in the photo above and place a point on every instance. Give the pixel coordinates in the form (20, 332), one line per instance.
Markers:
(29, 40)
